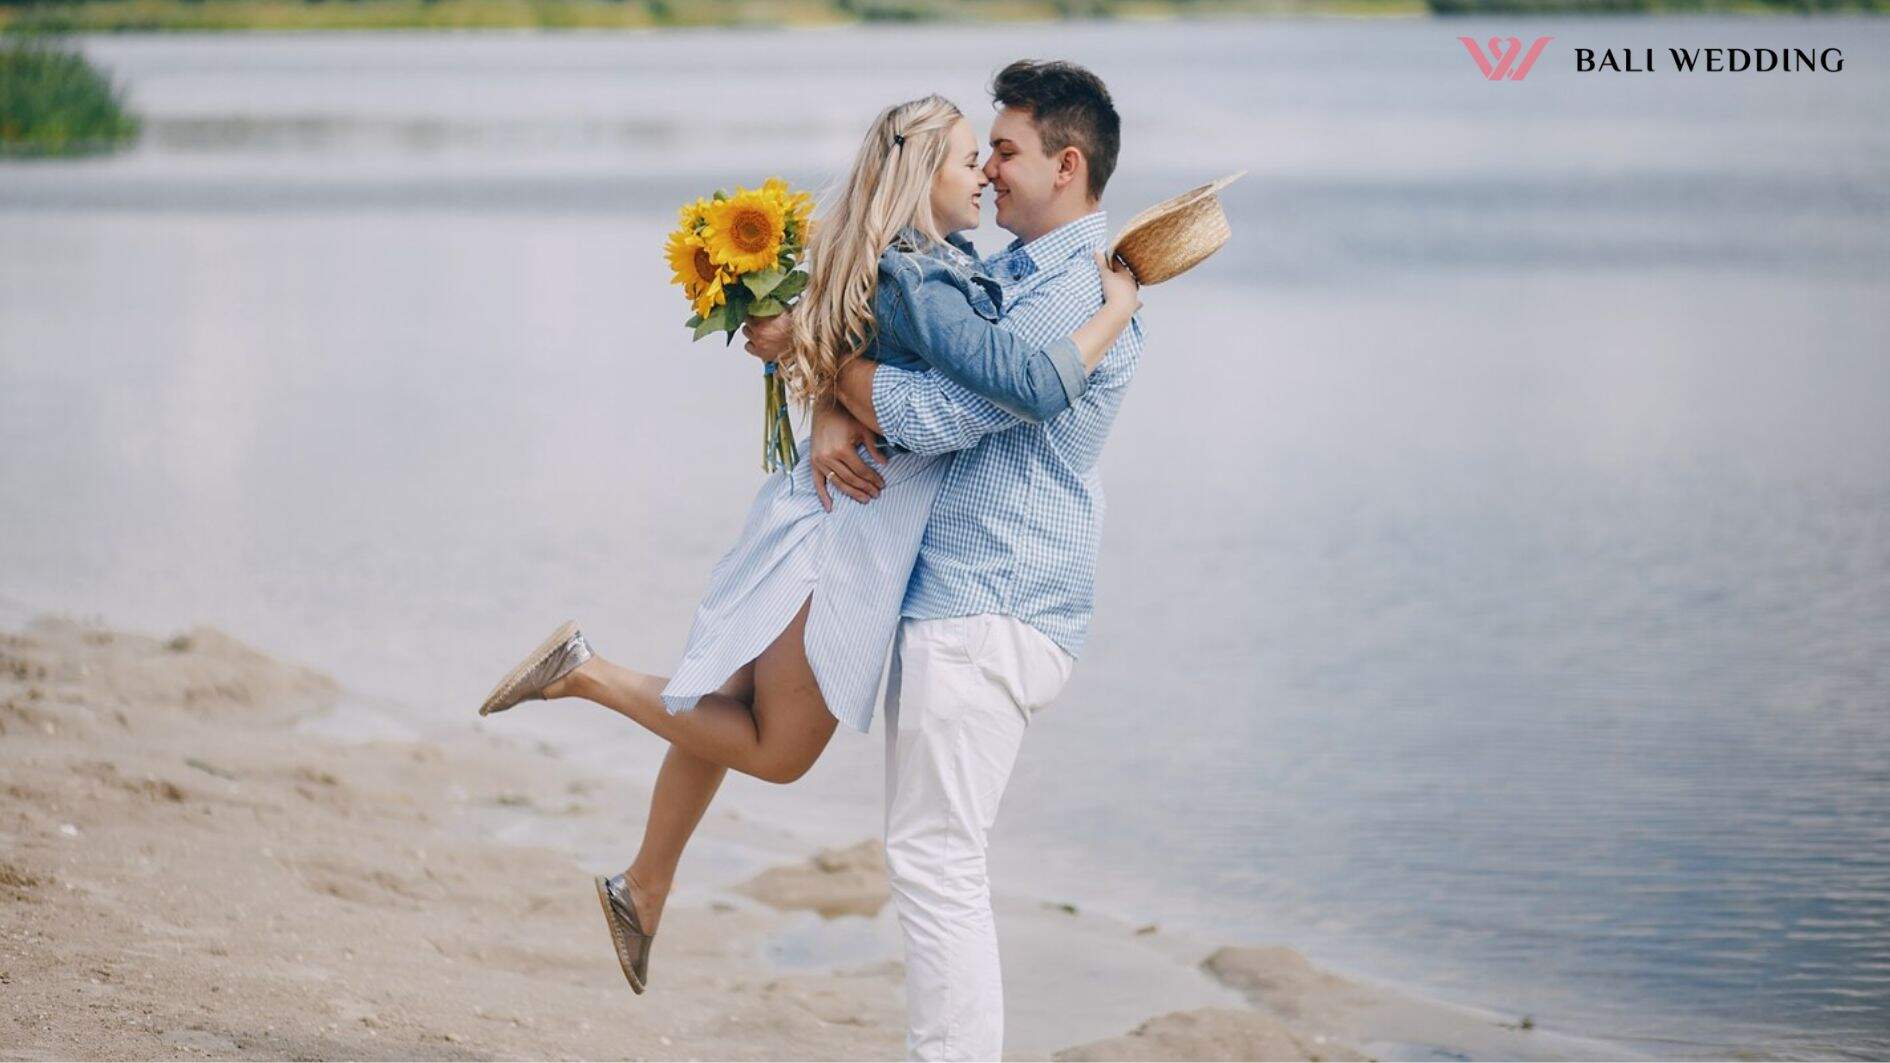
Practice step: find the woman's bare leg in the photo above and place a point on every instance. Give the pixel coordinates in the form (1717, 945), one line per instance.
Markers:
(776, 735)
(684, 787)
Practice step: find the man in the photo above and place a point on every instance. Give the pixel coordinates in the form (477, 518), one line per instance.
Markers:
(1001, 596)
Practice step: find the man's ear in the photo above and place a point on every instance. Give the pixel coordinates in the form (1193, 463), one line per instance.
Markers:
(1070, 166)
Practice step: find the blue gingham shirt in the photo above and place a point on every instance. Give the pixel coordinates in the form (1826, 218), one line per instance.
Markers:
(1018, 521)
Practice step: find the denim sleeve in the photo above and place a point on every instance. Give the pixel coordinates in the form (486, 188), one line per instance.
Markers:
(923, 305)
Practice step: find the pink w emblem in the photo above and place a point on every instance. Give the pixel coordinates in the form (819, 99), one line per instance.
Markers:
(1502, 59)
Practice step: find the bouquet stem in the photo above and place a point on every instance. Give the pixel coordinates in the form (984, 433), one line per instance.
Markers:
(778, 452)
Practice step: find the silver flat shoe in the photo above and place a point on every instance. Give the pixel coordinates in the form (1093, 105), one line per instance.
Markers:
(555, 658)
(626, 931)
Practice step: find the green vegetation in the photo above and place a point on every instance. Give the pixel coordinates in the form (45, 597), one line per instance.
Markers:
(53, 102)
(1650, 7)
(106, 16)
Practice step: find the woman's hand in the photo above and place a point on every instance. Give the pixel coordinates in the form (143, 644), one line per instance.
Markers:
(767, 337)
(1120, 287)
(833, 456)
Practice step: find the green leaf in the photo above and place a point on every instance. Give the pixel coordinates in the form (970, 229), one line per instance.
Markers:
(763, 282)
(715, 322)
(791, 285)
(768, 307)
(736, 309)
(694, 320)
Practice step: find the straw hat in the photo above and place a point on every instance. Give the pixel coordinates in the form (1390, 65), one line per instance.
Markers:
(1174, 236)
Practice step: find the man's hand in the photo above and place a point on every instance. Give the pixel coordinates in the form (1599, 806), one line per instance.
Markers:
(833, 456)
(767, 337)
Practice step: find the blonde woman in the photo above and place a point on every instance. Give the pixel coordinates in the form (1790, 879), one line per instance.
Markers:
(793, 633)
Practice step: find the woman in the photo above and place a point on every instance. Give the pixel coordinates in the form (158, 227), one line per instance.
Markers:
(793, 633)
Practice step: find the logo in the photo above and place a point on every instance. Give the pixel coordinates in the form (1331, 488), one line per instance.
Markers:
(1502, 60)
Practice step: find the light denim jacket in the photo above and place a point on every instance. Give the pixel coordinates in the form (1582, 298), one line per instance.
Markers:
(933, 308)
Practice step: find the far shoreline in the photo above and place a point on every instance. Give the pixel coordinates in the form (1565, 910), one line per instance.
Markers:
(265, 16)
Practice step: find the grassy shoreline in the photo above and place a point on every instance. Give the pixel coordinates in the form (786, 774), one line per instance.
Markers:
(54, 102)
(132, 16)
(109, 16)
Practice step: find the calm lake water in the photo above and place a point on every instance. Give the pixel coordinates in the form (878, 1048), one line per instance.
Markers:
(1496, 590)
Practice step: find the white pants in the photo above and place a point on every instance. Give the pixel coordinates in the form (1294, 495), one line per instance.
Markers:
(960, 696)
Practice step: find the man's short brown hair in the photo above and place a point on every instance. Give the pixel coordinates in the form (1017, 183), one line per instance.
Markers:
(1070, 108)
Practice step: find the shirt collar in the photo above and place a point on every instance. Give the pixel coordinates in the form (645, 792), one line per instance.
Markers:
(955, 246)
(1060, 244)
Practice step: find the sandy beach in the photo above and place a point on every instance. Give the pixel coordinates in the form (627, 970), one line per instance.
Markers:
(192, 867)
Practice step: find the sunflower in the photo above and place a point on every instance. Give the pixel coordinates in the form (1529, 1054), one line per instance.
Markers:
(744, 231)
(692, 215)
(799, 206)
(701, 279)
(711, 296)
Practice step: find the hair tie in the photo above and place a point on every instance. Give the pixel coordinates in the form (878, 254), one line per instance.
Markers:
(899, 140)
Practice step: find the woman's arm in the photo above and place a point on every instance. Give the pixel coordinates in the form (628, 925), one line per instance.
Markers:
(1122, 297)
(925, 308)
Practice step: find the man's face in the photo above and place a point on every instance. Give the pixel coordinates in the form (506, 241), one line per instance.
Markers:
(1023, 177)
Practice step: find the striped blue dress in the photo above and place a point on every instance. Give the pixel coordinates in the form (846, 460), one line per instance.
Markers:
(855, 561)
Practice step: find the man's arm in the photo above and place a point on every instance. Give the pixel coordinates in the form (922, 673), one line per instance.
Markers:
(927, 413)
(923, 412)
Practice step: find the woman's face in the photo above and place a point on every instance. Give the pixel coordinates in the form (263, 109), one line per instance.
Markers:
(958, 187)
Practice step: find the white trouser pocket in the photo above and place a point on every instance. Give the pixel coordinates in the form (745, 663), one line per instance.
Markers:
(1022, 661)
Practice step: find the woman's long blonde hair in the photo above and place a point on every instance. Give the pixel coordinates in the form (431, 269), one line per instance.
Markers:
(889, 188)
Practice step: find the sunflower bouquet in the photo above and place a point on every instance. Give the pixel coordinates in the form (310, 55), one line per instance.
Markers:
(737, 257)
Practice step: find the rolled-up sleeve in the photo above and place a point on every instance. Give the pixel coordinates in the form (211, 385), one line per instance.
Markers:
(1067, 359)
(928, 413)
